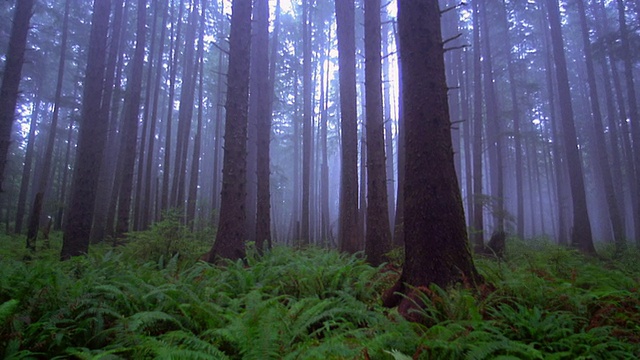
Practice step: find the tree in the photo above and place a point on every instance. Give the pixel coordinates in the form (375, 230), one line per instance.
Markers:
(264, 101)
(307, 93)
(229, 242)
(127, 154)
(90, 142)
(378, 233)
(581, 235)
(11, 76)
(349, 233)
(437, 250)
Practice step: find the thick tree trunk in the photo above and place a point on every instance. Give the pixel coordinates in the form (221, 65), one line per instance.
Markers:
(11, 77)
(581, 233)
(231, 234)
(264, 102)
(90, 142)
(378, 233)
(349, 233)
(437, 249)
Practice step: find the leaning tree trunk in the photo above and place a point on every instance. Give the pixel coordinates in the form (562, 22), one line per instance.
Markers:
(229, 241)
(437, 250)
(11, 77)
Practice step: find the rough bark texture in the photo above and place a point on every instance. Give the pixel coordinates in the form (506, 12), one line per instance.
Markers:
(264, 102)
(581, 233)
(91, 140)
(349, 235)
(231, 234)
(378, 234)
(437, 249)
(11, 77)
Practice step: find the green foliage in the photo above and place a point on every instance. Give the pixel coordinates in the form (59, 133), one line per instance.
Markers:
(546, 303)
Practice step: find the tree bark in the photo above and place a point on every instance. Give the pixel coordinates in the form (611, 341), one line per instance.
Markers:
(264, 103)
(11, 77)
(349, 234)
(437, 249)
(378, 233)
(91, 140)
(581, 233)
(231, 234)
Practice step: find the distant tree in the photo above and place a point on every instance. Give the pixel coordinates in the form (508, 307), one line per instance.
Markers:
(478, 214)
(90, 142)
(349, 231)
(229, 242)
(128, 143)
(378, 233)
(307, 124)
(36, 209)
(436, 245)
(11, 76)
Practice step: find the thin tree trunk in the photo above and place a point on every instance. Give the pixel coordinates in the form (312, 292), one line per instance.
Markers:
(146, 205)
(126, 157)
(26, 169)
(601, 149)
(307, 91)
(478, 220)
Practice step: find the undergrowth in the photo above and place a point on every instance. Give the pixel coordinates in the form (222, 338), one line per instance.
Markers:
(147, 300)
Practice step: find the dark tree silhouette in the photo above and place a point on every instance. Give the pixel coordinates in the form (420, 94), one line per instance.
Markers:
(91, 140)
(581, 233)
(349, 231)
(11, 77)
(378, 233)
(436, 249)
(231, 234)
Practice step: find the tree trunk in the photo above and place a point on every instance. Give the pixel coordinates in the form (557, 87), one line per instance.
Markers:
(634, 117)
(307, 93)
(147, 203)
(185, 113)
(231, 234)
(388, 124)
(264, 102)
(90, 142)
(11, 77)
(602, 156)
(581, 233)
(26, 169)
(437, 249)
(126, 157)
(478, 210)
(195, 160)
(349, 234)
(378, 233)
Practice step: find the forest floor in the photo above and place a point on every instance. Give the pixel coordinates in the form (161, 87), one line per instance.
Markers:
(146, 300)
